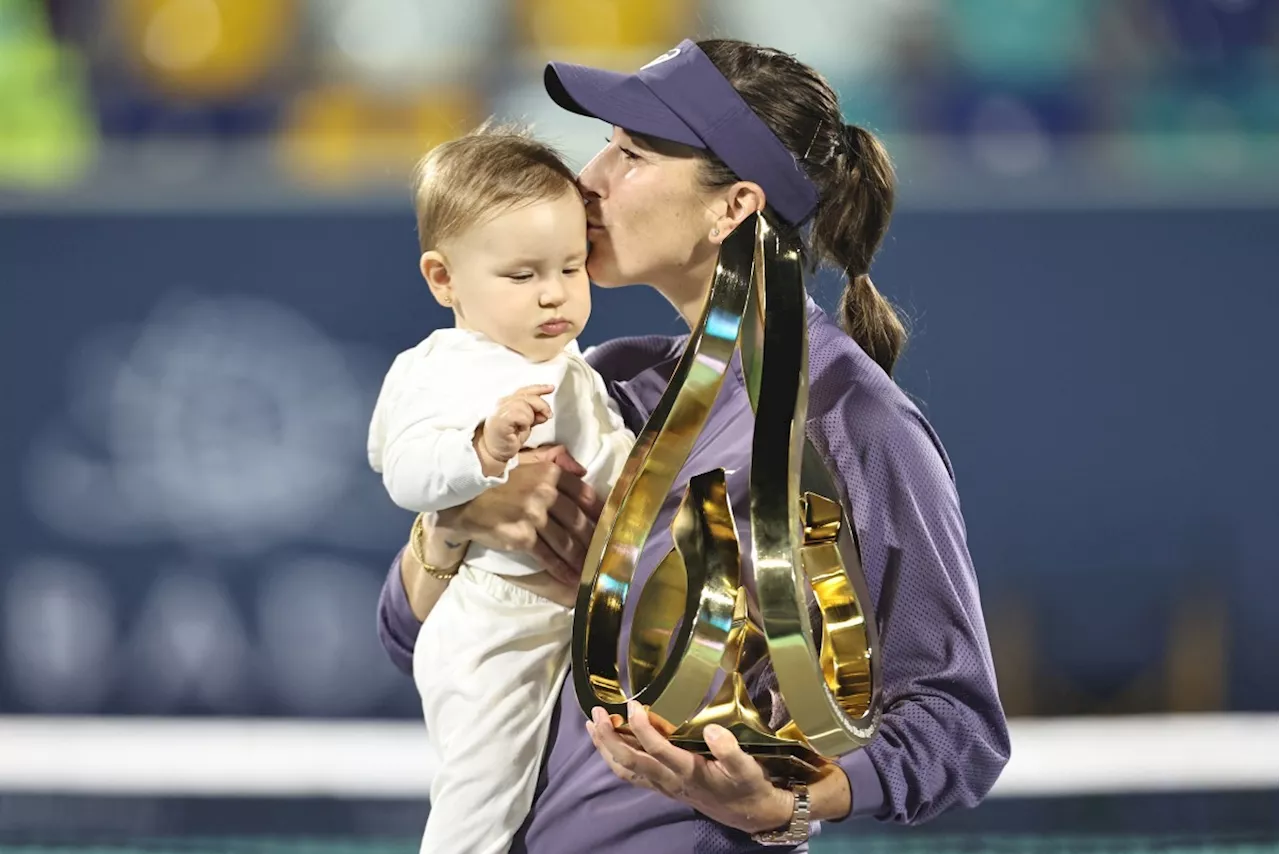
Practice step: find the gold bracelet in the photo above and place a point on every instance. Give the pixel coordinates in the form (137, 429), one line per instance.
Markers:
(415, 547)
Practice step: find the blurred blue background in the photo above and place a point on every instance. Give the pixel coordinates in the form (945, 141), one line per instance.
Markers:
(207, 261)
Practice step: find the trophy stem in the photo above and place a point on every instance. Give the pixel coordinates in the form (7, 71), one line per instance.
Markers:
(783, 758)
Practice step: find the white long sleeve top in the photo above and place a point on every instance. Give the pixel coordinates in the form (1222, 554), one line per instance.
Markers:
(437, 393)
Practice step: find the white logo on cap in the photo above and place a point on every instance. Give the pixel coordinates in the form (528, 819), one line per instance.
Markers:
(671, 54)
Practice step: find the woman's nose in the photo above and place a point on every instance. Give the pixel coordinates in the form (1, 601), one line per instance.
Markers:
(590, 184)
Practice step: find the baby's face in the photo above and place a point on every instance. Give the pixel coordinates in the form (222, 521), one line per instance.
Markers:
(520, 278)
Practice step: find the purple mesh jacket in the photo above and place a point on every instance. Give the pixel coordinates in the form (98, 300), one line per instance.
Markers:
(943, 740)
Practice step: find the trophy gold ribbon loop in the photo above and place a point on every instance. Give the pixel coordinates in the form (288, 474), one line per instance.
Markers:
(695, 617)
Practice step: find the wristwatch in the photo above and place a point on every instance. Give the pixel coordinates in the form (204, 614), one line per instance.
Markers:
(797, 830)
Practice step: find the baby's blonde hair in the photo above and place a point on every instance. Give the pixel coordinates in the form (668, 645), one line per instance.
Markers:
(466, 181)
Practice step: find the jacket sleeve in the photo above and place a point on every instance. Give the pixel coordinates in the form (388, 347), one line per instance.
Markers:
(943, 739)
(397, 626)
(422, 430)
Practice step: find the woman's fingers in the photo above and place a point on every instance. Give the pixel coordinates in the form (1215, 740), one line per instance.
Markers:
(732, 758)
(566, 461)
(555, 565)
(542, 454)
(628, 762)
(566, 476)
(568, 529)
(618, 771)
(542, 510)
(575, 530)
(680, 763)
(580, 493)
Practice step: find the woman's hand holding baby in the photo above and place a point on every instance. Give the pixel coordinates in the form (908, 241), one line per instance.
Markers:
(544, 509)
(504, 434)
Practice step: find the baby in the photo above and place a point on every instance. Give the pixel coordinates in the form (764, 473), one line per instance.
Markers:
(503, 235)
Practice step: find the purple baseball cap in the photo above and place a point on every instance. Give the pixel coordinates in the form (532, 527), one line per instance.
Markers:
(681, 96)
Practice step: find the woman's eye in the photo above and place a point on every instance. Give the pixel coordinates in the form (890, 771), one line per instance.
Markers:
(626, 152)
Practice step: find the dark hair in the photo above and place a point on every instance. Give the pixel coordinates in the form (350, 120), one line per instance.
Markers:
(848, 164)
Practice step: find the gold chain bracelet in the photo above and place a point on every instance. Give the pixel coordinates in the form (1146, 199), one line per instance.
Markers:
(440, 573)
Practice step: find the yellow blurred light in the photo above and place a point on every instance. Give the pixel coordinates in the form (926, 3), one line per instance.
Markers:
(608, 32)
(341, 136)
(183, 34)
(207, 48)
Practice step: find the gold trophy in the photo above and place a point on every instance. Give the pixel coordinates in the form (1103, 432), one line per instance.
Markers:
(811, 612)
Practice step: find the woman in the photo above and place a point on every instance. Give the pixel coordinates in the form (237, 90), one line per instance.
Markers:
(704, 137)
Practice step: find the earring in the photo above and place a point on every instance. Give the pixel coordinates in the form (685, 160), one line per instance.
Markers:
(715, 232)
(448, 301)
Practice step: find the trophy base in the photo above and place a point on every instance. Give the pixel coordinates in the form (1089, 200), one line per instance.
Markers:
(782, 764)
(783, 761)
(781, 754)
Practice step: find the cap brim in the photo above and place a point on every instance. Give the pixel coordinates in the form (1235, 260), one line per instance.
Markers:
(619, 99)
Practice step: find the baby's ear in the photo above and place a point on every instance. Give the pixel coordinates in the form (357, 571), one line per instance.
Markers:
(435, 270)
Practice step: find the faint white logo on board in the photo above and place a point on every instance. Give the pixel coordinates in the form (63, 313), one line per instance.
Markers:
(228, 423)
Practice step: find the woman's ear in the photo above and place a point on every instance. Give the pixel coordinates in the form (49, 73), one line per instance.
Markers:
(435, 270)
(742, 200)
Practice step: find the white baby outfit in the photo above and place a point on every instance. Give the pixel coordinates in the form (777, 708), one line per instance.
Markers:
(491, 656)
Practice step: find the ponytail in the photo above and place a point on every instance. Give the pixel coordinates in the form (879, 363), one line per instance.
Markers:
(849, 228)
(849, 166)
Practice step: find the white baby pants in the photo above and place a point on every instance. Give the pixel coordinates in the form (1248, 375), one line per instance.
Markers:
(489, 664)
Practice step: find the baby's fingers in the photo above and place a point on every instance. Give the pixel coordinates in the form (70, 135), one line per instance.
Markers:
(541, 409)
(526, 407)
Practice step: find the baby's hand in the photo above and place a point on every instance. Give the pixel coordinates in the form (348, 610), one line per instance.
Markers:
(505, 432)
